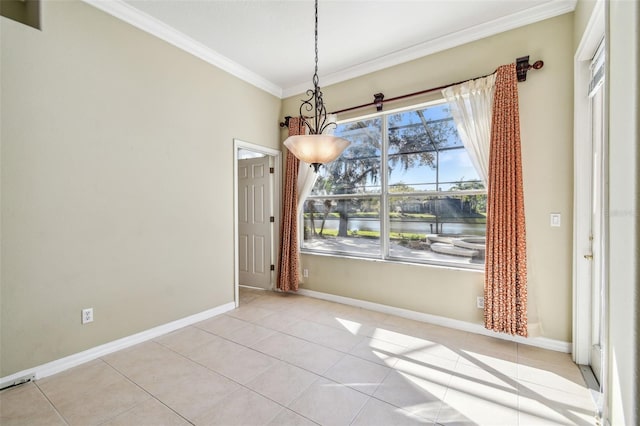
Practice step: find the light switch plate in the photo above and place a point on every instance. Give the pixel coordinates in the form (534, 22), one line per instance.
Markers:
(555, 219)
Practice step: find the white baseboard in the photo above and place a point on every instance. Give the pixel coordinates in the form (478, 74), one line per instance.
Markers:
(74, 360)
(541, 342)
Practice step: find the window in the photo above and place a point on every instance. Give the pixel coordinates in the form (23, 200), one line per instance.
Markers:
(405, 189)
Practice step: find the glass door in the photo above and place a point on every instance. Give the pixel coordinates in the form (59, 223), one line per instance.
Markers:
(598, 213)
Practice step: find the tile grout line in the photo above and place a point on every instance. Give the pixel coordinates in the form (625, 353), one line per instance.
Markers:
(372, 396)
(320, 376)
(264, 353)
(457, 361)
(448, 386)
(444, 396)
(355, 416)
(186, 357)
(145, 391)
(64, 419)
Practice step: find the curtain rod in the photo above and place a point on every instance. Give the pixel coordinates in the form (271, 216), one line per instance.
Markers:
(522, 66)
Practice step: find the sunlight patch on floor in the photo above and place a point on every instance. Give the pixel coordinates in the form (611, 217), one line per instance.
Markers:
(351, 326)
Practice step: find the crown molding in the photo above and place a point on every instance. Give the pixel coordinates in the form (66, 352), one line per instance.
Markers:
(144, 22)
(532, 15)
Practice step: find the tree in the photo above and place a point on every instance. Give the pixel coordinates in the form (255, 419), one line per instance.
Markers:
(311, 208)
(413, 141)
(398, 204)
(473, 203)
(327, 209)
(401, 187)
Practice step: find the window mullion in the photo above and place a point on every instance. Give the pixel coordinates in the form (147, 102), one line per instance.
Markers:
(384, 195)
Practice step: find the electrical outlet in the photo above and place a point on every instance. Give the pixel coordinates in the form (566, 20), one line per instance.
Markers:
(87, 315)
(305, 273)
(480, 302)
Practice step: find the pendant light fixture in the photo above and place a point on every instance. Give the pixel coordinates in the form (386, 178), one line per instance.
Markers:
(315, 148)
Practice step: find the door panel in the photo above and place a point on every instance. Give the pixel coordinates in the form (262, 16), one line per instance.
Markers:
(243, 246)
(254, 225)
(259, 249)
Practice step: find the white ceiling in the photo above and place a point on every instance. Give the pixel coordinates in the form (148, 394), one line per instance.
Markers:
(269, 43)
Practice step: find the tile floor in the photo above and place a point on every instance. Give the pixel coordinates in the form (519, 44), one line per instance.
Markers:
(293, 360)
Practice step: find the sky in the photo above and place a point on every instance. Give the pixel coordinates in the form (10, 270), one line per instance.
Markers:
(455, 164)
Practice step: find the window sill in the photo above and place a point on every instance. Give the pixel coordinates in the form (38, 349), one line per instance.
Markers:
(399, 261)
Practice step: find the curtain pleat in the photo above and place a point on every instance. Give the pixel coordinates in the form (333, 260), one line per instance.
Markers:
(289, 255)
(471, 105)
(505, 289)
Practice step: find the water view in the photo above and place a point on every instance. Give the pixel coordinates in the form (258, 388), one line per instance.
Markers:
(403, 226)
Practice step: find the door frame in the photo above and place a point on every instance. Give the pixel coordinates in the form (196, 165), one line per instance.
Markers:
(595, 32)
(582, 185)
(275, 200)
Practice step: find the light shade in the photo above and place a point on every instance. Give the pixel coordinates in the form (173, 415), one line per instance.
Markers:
(316, 149)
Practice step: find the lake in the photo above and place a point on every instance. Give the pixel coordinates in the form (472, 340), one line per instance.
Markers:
(401, 226)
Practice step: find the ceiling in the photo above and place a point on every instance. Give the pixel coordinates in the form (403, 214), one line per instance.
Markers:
(269, 43)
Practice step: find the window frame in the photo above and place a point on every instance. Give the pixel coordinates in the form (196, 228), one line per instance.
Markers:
(384, 195)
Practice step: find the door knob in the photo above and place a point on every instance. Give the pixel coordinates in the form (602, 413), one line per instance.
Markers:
(588, 256)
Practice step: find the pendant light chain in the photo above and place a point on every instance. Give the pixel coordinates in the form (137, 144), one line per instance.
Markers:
(316, 80)
(317, 94)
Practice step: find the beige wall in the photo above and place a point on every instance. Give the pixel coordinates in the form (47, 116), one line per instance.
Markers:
(624, 206)
(546, 123)
(117, 179)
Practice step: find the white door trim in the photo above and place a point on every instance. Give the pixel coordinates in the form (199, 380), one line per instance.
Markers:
(582, 163)
(275, 195)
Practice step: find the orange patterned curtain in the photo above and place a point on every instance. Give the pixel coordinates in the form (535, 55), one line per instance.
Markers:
(288, 270)
(505, 289)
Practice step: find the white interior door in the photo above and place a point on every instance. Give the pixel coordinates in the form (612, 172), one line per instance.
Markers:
(254, 222)
(598, 213)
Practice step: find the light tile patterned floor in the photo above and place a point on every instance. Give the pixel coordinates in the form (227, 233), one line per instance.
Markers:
(293, 360)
